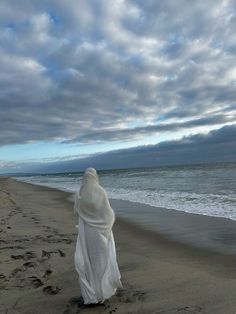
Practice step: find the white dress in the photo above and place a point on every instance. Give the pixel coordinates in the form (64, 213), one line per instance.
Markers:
(95, 254)
(96, 263)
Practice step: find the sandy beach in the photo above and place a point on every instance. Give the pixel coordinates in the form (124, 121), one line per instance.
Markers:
(160, 274)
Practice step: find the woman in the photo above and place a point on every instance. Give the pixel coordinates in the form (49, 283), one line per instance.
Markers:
(95, 255)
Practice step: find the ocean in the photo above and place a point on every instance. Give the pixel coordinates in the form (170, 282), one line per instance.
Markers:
(206, 189)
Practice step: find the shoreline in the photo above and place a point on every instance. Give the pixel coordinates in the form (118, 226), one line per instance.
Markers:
(217, 234)
(159, 275)
(136, 202)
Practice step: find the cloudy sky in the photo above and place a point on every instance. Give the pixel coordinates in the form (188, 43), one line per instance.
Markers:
(116, 83)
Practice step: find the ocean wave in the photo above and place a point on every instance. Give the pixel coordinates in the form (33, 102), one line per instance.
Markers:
(211, 204)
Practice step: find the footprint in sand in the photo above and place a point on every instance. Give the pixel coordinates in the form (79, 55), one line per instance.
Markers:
(183, 310)
(51, 290)
(47, 254)
(16, 271)
(3, 242)
(189, 309)
(130, 295)
(24, 276)
(20, 256)
(56, 238)
(3, 281)
(29, 282)
(26, 256)
(47, 273)
(76, 305)
(30, 264)
(62, 254)
(35, 281)
(109, 309)
(11, 247)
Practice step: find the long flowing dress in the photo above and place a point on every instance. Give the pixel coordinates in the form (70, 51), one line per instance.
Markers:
(95, 254)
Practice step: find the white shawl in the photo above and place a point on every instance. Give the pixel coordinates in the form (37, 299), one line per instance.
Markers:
(92, 204)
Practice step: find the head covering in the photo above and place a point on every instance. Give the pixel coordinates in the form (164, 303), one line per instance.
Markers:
(90, 172)
(92, 203)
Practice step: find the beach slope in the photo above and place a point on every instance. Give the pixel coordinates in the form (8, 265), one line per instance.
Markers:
(160, 275)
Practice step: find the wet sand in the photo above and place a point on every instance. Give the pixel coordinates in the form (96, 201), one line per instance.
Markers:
(160, 273)
(213, 233)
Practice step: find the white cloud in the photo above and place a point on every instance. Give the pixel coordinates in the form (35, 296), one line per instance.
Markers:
(69, 67)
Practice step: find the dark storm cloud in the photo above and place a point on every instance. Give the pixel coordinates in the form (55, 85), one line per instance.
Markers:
(218, 145)
(137, 132)
(86, 71)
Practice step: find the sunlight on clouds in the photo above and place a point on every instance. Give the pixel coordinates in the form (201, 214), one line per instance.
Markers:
(232, 74)
(32, 65)
(117, 73)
